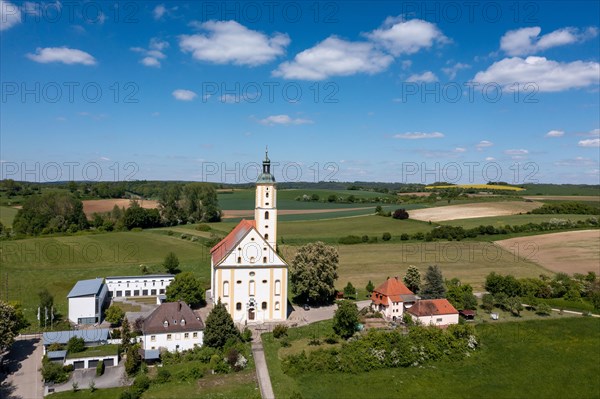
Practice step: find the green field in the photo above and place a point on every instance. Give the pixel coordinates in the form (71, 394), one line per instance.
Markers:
(529, 359)
(513, 220)
(57, 263)
(7, 214)
(560, 189)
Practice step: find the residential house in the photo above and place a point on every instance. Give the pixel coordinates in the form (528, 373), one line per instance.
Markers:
(436, 312)
(391, 299)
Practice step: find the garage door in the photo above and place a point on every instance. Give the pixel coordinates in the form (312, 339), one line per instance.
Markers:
(92, 364)
(79, 364)
(109, 362)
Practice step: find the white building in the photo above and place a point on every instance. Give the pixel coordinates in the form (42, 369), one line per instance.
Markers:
(172, 326)
(132, 286)
(93, 338)
(391, 298)
(434, 312)
(247, 274)
(87, 299)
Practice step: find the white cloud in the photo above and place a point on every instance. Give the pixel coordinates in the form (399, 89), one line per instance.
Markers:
(229, 42)
(418, 135)
(104, 159)
(589, 143)
(483, 144)
(577, 161)
(555, 133)
(334, 57)
(406, 37)
(591, 133)
(61, 54)
(490, 159)
(426, 77)
(283, 120)
(526, 41)
(517, 153)
(153, 54)
(10, 15)
(159, 11)
(460, 149)
(547, 75)
(453, 70)
(184, 95)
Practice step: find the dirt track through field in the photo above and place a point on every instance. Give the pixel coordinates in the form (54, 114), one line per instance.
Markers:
(569, 252)
(106, 205)
(470, 211)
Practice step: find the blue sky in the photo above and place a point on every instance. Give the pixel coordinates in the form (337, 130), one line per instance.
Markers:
(373, 91)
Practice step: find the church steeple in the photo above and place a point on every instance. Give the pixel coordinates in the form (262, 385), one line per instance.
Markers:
(265, 211)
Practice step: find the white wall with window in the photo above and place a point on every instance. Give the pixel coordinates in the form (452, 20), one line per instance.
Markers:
(135, 286)
(173, 341)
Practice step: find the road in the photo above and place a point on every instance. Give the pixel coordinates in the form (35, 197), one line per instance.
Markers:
(24, 381)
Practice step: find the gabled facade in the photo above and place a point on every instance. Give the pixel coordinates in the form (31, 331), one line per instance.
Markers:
(247, 274)
(87, 300)
(434, 312)
(391, 298)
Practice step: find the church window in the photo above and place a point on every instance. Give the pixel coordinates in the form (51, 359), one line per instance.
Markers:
(267, 195)
(264, 306)
(267, 215)
(264, 281)
(252, 259)
(251, 287)
(277, 287)
(264, 259)
(225, 288)
(239, 259)
(239, 282)
(266, 236)
(238, 306)
(276, 305)
(252, 274)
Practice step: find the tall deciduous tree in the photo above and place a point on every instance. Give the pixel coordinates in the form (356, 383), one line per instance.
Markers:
(187, 288)
(433, 284)
(114, 314)
(370, 287)
(219, 327)
(412, 279)
(313, 272)
(171, 263)
(9, 326)
(345, 319)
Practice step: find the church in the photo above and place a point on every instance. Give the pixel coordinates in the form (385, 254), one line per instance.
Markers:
(247, 274)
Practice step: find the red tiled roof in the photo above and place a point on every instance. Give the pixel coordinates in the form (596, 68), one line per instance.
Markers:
(220, 251)
(172, 313)
(432, 307)
(392, 288)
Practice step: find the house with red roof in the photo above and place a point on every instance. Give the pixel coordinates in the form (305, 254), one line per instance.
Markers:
(435, 312)
(391, 299)
(247, 274)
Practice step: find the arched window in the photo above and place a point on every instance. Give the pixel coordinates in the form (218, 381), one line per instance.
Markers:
(238, 306)
(266, 236)
(264, 259)
(276, 305)
(266, 215)
(264, 306)
(251, 287)
(277, 287)
(267, 195)
(225, 288)
(239, 259)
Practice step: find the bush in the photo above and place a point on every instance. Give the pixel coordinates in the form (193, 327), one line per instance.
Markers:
(163, 376)
(247, 335)
(285, 342)
(404, 237)
(75, 345)
(331, 339)
(280, 331)
(386, 236)
(543, 309)
(349, 240)
(400, 214)
(53, 372)
(365, 238)
(203, 227)
(100, 368)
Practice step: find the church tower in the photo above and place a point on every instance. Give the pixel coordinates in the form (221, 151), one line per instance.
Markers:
(265, 211)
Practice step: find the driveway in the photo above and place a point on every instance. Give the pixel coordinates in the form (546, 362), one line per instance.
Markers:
(301, 316)
(23, 381)
(112, 377)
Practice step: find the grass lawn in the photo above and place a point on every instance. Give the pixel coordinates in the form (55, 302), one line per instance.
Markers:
(57, 263)
(515, 360)
(7, 214)
(513, 220)
(108, 393)
(102, 350)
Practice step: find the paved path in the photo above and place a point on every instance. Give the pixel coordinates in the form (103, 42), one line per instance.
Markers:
(24, 381)
(112, 377)
(262, 372)
(299, 316)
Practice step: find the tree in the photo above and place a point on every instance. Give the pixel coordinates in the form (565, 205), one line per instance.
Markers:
(370, 287)
(114, 314)
(133, 361)
(400, 214)
(219, 327)
(171, 263)
(50, 212)
(46, 302)
(187, 288)
(412, 279)
(349, 291)
(433, 285)
(9, 326)
(313, 272)
(514, 305)
(125, 335)
(345, 319)
(543, 309)
(487, 302)
(75, 345)
(386, 236)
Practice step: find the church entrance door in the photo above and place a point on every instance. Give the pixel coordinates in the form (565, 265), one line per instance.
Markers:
(250, 314)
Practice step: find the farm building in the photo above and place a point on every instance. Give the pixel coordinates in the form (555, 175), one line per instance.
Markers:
(87, 299)
(436, 312)
(172, 326)
(391, 298)
(132, 286)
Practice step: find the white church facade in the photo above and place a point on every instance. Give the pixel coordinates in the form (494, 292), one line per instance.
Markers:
(247, 274)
